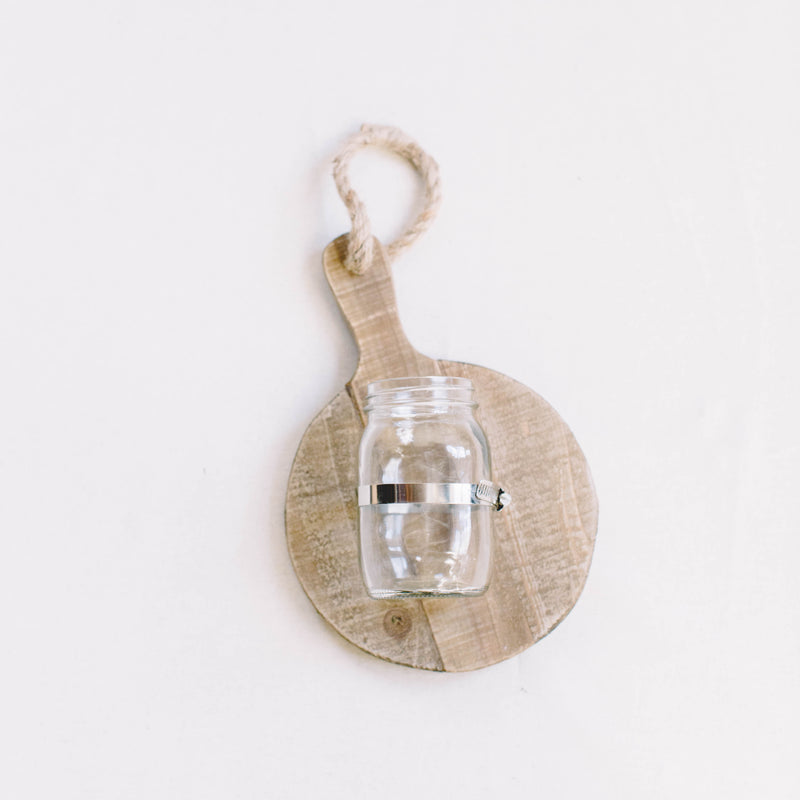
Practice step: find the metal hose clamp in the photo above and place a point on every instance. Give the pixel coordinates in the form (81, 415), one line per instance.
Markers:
(449, 494)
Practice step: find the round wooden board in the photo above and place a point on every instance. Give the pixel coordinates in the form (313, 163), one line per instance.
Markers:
(543, 540)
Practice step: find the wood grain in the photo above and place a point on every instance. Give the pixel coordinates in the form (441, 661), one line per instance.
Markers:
(543, 541)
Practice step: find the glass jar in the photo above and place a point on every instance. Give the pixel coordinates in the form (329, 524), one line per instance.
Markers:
(425, 496)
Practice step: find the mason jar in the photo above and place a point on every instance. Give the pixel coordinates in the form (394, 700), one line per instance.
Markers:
(426, 498)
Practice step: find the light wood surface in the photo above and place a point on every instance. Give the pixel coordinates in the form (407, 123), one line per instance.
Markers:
(543, 540)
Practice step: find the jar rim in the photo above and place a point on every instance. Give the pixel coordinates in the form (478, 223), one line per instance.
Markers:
(412, 395)
(411, 383)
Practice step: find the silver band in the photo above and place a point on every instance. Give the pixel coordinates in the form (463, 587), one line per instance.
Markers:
(448, 494)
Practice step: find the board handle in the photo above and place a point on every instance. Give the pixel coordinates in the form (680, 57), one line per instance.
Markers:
(369, 305)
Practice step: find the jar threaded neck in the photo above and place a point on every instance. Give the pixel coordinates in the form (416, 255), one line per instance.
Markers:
(421, 393)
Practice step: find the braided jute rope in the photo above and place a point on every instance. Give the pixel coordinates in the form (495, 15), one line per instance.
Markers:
(359, 245)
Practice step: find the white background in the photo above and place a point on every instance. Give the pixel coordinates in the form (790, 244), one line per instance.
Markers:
(619, 232)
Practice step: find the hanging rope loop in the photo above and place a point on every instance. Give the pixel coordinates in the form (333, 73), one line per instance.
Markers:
(359, 246)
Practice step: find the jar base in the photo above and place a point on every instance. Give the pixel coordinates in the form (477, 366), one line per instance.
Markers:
(416, 594)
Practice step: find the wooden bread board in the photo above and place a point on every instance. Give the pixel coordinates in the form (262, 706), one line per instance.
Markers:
(543, 540)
